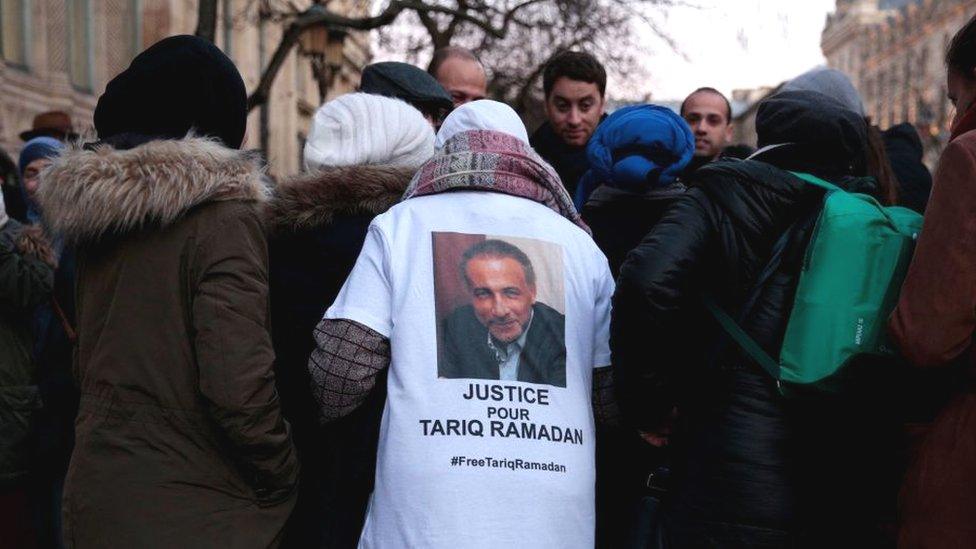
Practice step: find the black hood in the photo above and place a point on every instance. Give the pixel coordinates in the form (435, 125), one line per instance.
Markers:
(823, 136)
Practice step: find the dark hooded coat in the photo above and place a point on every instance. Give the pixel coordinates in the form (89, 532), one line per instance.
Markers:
(318, 222)
(740, 451)
(180, 441)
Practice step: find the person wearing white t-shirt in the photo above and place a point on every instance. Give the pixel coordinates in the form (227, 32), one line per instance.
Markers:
(485, 259)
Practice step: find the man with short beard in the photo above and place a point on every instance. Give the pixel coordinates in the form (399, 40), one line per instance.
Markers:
(709, 114)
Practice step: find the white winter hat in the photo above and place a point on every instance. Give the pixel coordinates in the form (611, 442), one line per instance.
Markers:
(483, 114)
(360, 128)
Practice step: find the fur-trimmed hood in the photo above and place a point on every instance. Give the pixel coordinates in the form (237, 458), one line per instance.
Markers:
(88, 193)
(314, 199)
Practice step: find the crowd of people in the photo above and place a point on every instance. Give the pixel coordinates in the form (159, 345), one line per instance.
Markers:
(447, 332)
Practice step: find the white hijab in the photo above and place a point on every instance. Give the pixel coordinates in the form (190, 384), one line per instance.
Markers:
(483, 114)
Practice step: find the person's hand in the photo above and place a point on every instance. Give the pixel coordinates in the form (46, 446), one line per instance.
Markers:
(3, 212)
(661, 436)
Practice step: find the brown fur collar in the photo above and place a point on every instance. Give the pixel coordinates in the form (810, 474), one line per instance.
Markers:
(87, 193)
(314, 199)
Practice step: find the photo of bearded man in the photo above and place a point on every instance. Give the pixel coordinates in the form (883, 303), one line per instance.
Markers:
(503, 332)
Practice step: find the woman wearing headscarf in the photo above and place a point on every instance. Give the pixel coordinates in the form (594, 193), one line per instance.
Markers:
(180, 441)
(361, 153)
(53, 328)
(935, 322)
(635, 156)
(484, 274)
(34, 157)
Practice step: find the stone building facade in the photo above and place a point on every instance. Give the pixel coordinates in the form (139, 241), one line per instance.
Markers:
(60, 54)
(893, 51)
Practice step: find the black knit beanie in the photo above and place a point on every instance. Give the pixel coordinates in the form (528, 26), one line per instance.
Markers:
(178, 84)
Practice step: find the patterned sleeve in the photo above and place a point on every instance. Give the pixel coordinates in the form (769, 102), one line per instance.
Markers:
(344, 366)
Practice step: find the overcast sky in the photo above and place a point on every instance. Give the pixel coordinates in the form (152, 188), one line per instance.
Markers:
(733, 44)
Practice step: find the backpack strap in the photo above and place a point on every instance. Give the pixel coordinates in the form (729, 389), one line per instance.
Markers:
(729, 325)
(742, 339)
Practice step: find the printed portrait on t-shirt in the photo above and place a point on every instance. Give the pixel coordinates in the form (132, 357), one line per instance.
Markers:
(500, 308)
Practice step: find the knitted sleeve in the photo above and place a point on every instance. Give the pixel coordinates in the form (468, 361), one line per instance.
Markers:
(344, 365)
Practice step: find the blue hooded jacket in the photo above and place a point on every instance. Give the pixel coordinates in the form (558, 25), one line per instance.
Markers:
(635, 148)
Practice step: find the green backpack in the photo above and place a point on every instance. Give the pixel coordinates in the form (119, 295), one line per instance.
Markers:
(851, 276)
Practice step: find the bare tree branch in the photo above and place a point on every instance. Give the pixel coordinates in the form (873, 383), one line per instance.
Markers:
(432, 29)
(318, 15)
(311, 18)
(207, 20)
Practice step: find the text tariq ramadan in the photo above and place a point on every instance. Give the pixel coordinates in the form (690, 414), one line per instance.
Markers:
(503, 421)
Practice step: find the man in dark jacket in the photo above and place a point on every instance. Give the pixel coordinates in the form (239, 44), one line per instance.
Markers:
(709, 115)
(740, 452)
(575, 86)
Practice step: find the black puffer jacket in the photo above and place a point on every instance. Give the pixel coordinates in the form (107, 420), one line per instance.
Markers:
(714, 240)
(740, 452)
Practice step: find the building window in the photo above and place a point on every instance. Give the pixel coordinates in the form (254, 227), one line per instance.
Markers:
(79, 43)
(14, 22)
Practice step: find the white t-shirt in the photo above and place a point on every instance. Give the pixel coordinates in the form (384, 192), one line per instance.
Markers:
(467, 285)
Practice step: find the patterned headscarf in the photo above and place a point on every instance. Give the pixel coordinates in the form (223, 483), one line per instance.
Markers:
(485, 160)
